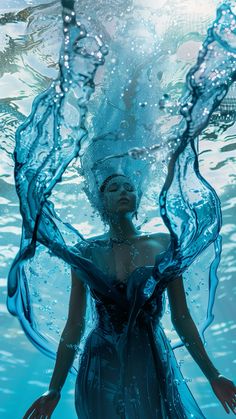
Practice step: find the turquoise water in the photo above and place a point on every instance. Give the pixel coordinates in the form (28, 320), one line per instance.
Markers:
(30, 54)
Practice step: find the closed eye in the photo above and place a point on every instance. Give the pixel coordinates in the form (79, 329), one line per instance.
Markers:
(129, 187)
(113, 187)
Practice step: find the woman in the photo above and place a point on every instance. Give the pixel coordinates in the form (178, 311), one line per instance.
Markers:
(128, 369)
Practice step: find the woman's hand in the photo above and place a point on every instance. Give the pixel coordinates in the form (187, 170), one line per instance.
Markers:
(44, 406)
(225, 391)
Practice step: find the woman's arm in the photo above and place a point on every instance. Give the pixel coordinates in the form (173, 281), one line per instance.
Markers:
(223, 388)
(44, 406)
(186, 328)
(71, 334)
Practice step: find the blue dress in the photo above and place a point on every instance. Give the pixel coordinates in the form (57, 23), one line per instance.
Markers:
(128, 369)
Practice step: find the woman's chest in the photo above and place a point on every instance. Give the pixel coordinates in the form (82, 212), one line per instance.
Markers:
(120, 261)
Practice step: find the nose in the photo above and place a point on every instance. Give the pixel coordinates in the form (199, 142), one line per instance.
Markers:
(123, 190)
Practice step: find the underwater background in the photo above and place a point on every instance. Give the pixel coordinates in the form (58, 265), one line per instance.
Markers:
(28, 62)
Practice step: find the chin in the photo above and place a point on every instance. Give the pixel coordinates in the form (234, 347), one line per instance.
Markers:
(124, 206)
(122, 212)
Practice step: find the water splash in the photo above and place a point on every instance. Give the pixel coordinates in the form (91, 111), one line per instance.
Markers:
(55, 133)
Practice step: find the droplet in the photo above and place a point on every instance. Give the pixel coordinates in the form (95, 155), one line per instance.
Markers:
(67, 19)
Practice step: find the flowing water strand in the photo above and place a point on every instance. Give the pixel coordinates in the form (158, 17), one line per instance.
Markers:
(45, 144)
(189, 205)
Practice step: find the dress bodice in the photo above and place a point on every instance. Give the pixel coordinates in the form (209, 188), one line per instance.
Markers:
(113, 318)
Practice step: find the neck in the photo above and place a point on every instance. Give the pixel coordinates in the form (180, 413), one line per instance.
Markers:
(122, 227)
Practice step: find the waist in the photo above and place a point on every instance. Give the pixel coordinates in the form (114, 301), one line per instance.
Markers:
(116, 324)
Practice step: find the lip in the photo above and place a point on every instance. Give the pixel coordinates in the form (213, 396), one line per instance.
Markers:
(123, 200)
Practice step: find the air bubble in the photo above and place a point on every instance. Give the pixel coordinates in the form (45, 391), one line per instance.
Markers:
(67, 19)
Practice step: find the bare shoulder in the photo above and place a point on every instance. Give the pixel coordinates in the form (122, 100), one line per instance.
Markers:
(85, 247)
(96, 238)
(162, 239)
(85, 250)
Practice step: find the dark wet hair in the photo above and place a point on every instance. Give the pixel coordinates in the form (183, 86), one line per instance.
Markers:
(105, 182)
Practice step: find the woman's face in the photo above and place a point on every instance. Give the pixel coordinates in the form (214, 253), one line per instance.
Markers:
(120, 196)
